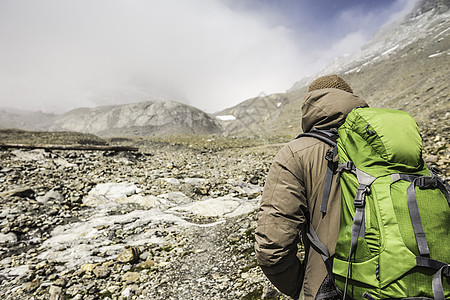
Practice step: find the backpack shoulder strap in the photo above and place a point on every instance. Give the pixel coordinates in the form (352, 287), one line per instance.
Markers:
(329, 137)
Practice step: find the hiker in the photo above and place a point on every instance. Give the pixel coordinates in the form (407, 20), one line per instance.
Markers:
(293, 194)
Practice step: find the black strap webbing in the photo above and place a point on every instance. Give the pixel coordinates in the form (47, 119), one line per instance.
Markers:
(426, 182)
(438, 289)
(406, 177)
(423, 182)
(358, 227)
(444, 187)
(429, 263)
(317, 245)
(368, 296)
(331, 169)
(324, 136)
(328, 137)
(416, 221)
(442, 269)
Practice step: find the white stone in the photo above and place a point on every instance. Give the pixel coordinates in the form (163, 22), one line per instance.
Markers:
(194, 181)
(33, 155)
(80, 240)
(173, 181)
(64, 163)
(219, 207)
(8, 237)
(104, 193)
(175, 198)
(19, 271)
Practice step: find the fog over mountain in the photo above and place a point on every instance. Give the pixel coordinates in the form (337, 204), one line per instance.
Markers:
(404, 66)
(62, 55)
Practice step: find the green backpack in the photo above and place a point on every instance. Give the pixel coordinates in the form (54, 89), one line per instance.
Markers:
(394, 228)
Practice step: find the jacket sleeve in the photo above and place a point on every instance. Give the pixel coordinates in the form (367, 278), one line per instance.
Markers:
(280, 221)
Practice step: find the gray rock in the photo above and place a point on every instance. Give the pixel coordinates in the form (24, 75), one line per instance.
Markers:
(101, 271)
(129, 255)
(32, 285)
(110, 192)
(219, 207)
(23, 192)
(131, 277)
(51, 195)
(55, 293)
(175, 198)
(194, 181)
(431, 159)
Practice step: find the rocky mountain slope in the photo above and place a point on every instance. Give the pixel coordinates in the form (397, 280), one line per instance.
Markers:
(254, 116)
(143, 118)
(404, 66)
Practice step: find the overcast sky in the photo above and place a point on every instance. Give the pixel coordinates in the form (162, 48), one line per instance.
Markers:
(58, 55)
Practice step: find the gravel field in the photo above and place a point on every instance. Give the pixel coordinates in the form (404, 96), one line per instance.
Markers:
(174, 220)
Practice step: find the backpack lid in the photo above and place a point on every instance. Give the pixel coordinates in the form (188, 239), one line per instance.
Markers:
(385, 138)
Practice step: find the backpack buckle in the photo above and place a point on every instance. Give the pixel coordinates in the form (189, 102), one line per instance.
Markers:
(347, 166)
(329, 155)
(361, 193)
(427, 182)
(446, 270)
(359, 202)
(435, 170)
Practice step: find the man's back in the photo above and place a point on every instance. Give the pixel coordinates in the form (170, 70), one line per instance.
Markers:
(292, 196)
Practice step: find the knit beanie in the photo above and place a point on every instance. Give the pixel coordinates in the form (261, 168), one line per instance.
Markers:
(330, 81)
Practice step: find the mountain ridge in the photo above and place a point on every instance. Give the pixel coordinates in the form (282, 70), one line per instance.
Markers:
(136, 119)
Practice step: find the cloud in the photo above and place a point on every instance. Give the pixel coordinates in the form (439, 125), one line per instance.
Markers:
(58, 55)
(357, 24)
(62, 54)
(346, 45)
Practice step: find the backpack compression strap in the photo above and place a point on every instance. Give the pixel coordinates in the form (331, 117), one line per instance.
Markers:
(425, 182)
(442, 269)
(329, 137)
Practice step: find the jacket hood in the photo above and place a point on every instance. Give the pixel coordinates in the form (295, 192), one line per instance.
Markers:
(328, 108)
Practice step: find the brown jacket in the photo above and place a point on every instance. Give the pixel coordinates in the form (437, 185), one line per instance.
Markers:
(292, 196)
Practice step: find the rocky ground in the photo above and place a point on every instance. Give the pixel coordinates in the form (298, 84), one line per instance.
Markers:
(172, 221)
